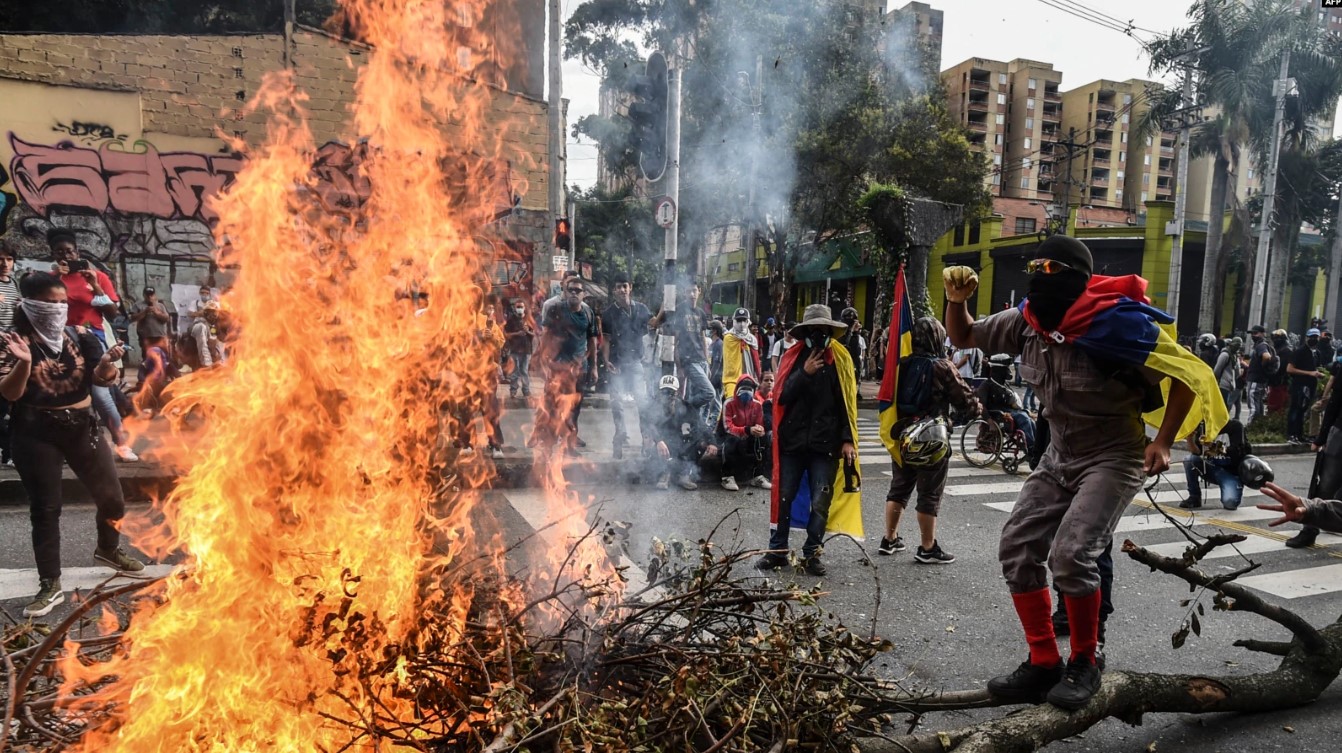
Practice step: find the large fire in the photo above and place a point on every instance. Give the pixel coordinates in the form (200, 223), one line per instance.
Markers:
(321, 541)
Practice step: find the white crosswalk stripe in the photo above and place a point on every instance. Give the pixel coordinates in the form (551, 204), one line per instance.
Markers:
(1287, 573)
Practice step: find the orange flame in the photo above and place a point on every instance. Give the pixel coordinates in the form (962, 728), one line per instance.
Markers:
(311, 512)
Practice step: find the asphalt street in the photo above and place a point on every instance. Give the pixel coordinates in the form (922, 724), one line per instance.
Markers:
(952, 625)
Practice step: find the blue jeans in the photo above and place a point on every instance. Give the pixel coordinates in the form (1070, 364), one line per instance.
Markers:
(103, 403)
(520, 376)
(1257, 399)
(1215, 472)
(821, 471)
(1026, 426)
(1029, 399)
(699, 392)
(628, 382)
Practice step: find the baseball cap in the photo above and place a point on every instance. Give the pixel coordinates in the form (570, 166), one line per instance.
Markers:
(1258, 328)
(741, 313)
(1312, 332)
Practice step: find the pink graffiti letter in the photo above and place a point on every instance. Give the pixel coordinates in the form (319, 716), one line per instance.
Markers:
(136, 182)
(191, 182)
(62, 176)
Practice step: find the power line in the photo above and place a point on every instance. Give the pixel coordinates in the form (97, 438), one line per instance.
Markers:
(1128, 24)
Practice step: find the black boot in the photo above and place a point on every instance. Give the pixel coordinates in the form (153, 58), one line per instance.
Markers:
(1028, 684)
(1078, 684)
(1304, 539)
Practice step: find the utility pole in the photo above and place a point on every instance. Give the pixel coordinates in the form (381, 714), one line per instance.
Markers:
(752, 212)
(1180, 198)
(1330, 311)
(672, 182)
(290, 18)
(556, 144)
(1071, 147)
(1257, 315)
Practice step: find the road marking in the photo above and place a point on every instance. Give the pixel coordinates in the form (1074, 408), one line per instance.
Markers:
(1253, 545)
(1293, 584)
(969, 490)
(21, 583)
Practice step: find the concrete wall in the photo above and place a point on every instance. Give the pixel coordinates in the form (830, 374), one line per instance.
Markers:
(117, 137)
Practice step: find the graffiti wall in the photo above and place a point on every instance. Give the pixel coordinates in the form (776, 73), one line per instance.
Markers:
(78, 159)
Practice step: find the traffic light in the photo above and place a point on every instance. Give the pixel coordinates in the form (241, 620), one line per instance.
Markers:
(647, 115)
(563, 235)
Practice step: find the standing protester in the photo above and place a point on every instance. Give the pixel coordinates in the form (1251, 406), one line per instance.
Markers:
(740, 353)
(966, 361)
(749, 445)
(688, 325)
(815, 427)
(715, 347)
(519, 341)
(568, 350)
(624, 323)
(1263, 365)
(852, 339)
(1328, 442)
(151, 320)
(1325, 352)
(92, 298)
(1303, 372)
(780, 347)
(1278, 383)
(1094, 350)
(928, 386)
(47, 371)
(1226, 370)
(1207, 349)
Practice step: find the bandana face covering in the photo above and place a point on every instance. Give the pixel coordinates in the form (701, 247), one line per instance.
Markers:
(1051, 295)
(48, 320)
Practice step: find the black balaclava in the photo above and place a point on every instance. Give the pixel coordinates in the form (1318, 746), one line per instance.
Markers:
(929, 338)
(1050, 296)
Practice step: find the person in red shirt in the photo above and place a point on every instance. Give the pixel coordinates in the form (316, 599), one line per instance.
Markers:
(92, 297)
(748, 442)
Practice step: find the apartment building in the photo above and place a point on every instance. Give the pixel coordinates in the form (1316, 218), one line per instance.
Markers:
(976, 95)
(922, 22)
(1034, 126)
(1112, 166)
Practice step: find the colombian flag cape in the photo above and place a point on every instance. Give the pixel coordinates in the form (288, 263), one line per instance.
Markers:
(738, 357)
(901, 346)
(1114, 321)
(845, 510)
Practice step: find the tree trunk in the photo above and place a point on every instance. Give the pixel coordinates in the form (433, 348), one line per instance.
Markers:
(1278, 269)
(1213, 284)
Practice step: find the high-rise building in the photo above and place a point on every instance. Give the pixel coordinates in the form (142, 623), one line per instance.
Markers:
(1034, 125)
(921, 22)
(1111, 166)
(976, 95)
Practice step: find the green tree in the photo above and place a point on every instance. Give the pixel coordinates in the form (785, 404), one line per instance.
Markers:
(616, 234)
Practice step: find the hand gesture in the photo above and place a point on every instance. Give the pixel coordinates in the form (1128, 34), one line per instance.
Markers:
(90, 278)
(17, 346)
(1157, 459)
(814, 362)
(757, 430)
(114, 353)
(1290, 505)
(960, 282)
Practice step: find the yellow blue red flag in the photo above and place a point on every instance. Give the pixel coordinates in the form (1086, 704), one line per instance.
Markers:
(900, 346)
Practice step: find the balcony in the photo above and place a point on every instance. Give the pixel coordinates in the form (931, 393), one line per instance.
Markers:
(1051, 94)
(1098, 181)
(1052, 114)
(978, 103)
(980, 84)
(1164, 196)
(977, 126)
(1105, 107)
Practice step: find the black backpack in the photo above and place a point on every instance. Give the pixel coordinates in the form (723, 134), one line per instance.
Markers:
(913, 395)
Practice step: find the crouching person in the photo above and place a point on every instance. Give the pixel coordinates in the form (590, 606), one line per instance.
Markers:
(749, 444)
(682, 441)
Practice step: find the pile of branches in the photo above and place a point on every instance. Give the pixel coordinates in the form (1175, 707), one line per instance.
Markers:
(706, 656)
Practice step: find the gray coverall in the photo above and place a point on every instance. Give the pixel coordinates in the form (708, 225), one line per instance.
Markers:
(1068, 508)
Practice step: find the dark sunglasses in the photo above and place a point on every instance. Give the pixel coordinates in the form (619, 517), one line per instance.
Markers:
(1047, 266)
(575, 290)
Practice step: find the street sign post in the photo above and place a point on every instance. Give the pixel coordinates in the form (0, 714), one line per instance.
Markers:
(665, 212)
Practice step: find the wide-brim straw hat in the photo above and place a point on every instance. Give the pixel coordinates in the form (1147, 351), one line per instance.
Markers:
(817, 314)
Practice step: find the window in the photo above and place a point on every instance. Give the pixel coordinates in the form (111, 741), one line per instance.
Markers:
(974, 233)
(1029, 103)
(733, 266)
(1143, 197)
(1027, 143)
(1025, 182)
(997, 180)
(1148, 141)
(1146, 160)
(1025, 163)
(1124, 137)
(1033, 84)
(1029, 124)
(997, 139)
(1123, 158)
(1000, 118)
(1125, 118)
(1120, 175)
(1001, 79)
(959, 239)
(1250, 175)
(1127, 99)
(1025, 225)
(997, 159)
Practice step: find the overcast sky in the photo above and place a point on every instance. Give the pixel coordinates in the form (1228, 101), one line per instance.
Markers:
(996, 29)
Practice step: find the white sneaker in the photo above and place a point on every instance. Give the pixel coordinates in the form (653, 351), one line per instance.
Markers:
(664, 482)
(125, 454)
(760, 482)
(729, 483)
(496, 453)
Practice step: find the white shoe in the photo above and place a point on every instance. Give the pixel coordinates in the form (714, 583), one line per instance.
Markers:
(760, 482)
(729, 483)
(664, 482)
(497, 453)
(125, 454)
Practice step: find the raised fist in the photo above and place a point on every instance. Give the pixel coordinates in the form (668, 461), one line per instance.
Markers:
(961, 282)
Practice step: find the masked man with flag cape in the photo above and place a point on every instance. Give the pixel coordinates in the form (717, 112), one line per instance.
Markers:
(815, 434)
(1103, 363)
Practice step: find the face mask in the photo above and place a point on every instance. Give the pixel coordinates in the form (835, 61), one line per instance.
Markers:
(48, 320)
(818, 342)
(740, 326)
(745, 396)
(1050, 296)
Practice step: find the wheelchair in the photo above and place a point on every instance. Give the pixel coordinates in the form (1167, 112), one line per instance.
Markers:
(994, 438)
